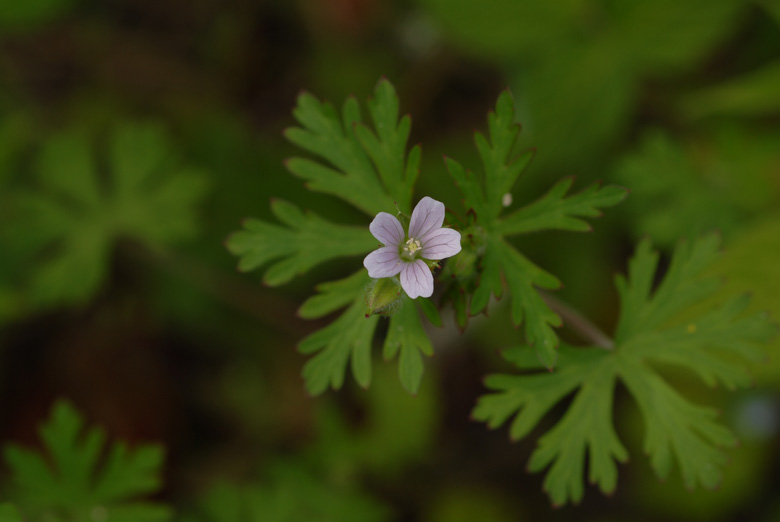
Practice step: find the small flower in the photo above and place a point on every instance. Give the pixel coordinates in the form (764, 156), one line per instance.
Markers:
(408, 254)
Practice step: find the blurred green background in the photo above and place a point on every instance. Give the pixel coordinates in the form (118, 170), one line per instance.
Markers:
(136, 134)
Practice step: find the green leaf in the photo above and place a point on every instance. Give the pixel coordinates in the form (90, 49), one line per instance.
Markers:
(501, 169)
(584, 431)
(643, 309)
(556, 211)
(368, 169)
(714, 346)
(732, 172)
(677, 43)
(334, 295)
(749, 264)
(306, 241)
(72, 480)
(74, 217)
(576, 102)
(406, 334)
(499, 260)
(677, 430)
(527, 306)
(347, 339)
(430, 311)
(504, 29)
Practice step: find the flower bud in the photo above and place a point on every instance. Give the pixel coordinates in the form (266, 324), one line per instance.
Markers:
(383, 296)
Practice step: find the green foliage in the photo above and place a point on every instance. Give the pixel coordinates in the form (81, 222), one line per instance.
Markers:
(367, 168)
(749, 264)
(711, 346)
(752, 94)
(75, 215)
(71, 484)
(291, 494)
(309, 241)
(349, 338)
(406, 334)
(578, 66)
(732, 174)
(554, 210)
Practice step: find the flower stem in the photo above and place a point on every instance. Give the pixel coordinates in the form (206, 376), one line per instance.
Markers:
(579, 323)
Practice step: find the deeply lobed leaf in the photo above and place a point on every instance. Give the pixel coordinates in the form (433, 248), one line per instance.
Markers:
(345, 340)
(305, 242)
(71, 479)
(556, 211)
(75, 215)
(348, 339)
(405, 334)
(712, 346)
(499, 259)
(527, 307)
(369, 169)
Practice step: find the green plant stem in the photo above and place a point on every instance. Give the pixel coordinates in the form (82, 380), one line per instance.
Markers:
(579, 323)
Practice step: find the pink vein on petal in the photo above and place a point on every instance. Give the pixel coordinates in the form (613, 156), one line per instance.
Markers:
(428, 215)
(383, 262)
(441, 243)
(387, 229)
(416, 279)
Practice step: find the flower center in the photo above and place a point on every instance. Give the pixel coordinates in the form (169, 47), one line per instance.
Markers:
(411, 247)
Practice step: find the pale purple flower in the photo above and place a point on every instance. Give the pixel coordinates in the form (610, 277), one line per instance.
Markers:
(406, 254)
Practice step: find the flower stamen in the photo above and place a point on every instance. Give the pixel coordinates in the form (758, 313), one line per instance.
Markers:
(412, 246)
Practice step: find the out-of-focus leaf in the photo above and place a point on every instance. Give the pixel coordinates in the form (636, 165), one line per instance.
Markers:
(73, 219)
(662, 36)
(468, 502)
(752, 94)
(291, 494)
(71, 481)
(750, 264)
(733, 177)
(404, 426)
(502, 29)
(575, 103)
(773, 6)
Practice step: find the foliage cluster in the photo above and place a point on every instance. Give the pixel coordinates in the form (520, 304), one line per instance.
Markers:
(112, 228)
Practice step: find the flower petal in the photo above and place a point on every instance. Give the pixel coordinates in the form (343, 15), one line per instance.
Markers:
(427, 216)
(441, 243)
(383, 262)
(416, 279)
(387, 229)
